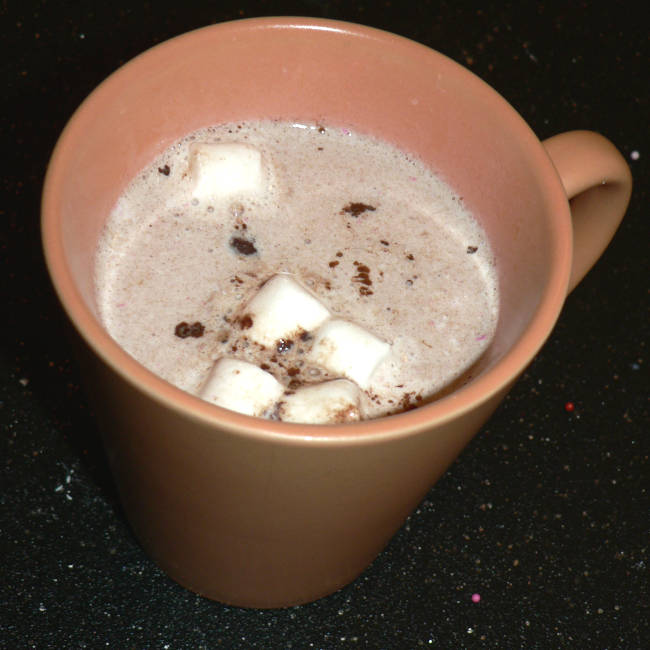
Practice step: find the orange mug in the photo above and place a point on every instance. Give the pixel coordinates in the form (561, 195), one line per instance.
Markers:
(262, 513)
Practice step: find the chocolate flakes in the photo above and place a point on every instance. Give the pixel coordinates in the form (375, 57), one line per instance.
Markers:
(471, 249)
(357, 209)
(363, 274)
(184, 330)
(164, 170)
(242, 246)
(363, 278)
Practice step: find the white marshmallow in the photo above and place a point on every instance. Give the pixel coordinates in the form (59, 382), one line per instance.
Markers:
(282, 309)
(347, 349)
(223, 169)
(241, 386)
(328, 402)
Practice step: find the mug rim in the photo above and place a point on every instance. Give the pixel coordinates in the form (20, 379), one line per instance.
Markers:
(479, 390)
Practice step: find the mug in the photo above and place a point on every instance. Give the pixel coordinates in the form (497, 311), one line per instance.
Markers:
(261, 513)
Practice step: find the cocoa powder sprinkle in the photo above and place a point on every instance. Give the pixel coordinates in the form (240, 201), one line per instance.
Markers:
(282, 345)
(245, 322)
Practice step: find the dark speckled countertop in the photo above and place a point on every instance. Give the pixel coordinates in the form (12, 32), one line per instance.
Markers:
(545, 515)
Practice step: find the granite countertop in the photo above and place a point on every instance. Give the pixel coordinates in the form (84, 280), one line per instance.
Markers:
(545, 515)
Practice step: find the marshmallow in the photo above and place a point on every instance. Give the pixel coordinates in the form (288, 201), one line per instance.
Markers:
(347, 349)
(328, 402)
(241, 386)
(224, 169)
(282, 309)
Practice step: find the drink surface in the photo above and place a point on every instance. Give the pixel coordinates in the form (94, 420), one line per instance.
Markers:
(370, 231)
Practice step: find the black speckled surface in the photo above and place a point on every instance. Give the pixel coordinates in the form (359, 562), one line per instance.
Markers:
(546, 514)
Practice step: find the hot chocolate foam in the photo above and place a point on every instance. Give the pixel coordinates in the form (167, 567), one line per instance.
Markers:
(378, 239)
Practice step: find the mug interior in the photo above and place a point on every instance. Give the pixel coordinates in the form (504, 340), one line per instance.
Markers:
(335, 74)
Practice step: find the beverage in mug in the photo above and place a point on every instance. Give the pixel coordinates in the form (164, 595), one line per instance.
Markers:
(300, 216)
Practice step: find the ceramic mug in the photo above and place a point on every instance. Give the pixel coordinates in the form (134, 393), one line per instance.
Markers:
(261, 513)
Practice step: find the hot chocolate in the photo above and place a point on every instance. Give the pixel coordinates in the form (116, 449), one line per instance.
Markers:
(397, 278)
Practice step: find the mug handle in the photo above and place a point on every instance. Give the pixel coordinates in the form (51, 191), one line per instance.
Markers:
(598, 184)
